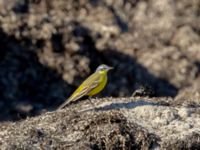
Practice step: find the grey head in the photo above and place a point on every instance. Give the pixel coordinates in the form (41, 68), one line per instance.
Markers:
(103, 67)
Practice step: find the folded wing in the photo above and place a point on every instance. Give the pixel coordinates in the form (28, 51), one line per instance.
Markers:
(88, 85)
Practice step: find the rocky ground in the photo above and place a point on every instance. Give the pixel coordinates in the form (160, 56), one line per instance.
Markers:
(115, 123)
(47, 48)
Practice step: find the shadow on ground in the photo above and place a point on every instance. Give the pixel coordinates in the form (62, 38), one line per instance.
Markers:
(121, 105)
(127, 105)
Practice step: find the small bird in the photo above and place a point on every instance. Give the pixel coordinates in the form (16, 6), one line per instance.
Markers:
(94, 84)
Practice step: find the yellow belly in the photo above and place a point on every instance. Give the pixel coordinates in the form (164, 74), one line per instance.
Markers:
(100, 87)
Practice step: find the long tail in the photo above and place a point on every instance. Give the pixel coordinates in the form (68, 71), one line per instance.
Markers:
(68, 101)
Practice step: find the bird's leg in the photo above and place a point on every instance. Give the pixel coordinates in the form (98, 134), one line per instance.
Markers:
(93, 105)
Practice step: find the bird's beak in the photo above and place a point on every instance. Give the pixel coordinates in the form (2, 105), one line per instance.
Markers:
(110, 68)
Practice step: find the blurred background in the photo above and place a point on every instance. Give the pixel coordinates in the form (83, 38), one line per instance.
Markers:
(48, 47)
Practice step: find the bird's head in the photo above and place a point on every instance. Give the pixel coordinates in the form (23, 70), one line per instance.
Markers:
(103, 68)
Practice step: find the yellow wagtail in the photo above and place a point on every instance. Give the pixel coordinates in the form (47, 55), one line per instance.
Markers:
(91, 86)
